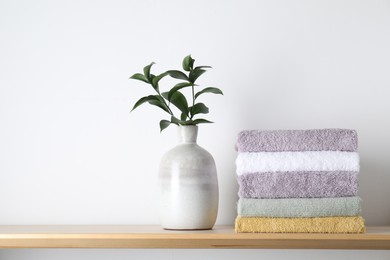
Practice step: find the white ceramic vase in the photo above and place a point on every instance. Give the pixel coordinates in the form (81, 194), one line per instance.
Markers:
(188, 184)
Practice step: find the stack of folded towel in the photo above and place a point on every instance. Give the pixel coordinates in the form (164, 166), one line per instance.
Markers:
(299, 181)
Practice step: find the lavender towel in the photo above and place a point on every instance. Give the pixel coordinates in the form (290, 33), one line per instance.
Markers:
(297, 140)
(298, 184)
(299, 208)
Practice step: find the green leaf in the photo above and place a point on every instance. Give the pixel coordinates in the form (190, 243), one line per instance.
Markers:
(156, 79)
(180, 101)
(151, 77)
(209, 90)
(203, 67)
(177, 74)
(165, 95)
(183, 117)
(155, 100)
(159, 102)
(201, 121)
(176, 88)
(143, 100)
(188, 63)
(164, 124)
(139, 76)
(176, 121)
(199, 108)
(147, 71)
(196, 73)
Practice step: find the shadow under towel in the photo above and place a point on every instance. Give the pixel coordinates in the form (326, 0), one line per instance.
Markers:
(300, 225)
(299, 208)
(297, 140)
(298, 184)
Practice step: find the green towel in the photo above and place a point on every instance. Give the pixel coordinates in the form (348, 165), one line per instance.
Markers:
(299, 208)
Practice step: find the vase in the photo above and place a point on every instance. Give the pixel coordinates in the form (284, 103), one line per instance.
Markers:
(188, 184)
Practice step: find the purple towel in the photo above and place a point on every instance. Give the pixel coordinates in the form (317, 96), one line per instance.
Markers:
(297, 140)
(298, 184)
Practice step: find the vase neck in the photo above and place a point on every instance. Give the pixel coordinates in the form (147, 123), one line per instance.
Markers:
(187, 134)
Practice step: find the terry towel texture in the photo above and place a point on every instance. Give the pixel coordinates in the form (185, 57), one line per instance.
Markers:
(300, 225)
(297, 140)
(298, 184)
(298, 181)
(299, 208)
(297, 161)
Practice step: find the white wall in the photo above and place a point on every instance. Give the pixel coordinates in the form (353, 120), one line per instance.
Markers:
(70, 152)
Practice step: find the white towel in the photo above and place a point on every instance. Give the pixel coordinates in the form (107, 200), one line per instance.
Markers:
(296, 161)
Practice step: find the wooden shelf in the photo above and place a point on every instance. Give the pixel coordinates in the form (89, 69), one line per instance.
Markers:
(156, 237)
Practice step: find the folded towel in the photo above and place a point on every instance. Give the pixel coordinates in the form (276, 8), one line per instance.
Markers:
(298, 184)
(297, 161)
(300, 225)
(297, 140)
(299, 208)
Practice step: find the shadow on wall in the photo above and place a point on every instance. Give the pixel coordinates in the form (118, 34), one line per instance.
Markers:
(373, 187)
(228, 189)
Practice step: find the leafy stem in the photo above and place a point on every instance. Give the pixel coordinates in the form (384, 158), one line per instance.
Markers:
(163, 100)
(174, 96)
(193, 101)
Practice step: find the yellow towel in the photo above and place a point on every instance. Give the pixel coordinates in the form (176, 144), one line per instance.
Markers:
(300, 225)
